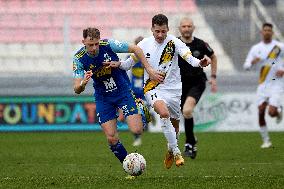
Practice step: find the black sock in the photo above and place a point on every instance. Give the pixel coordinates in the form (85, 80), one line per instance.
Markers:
(136, 136)
(188, 128)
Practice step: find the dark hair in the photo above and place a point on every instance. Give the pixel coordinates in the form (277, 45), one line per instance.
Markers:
(91, 32)
(159, 20)
(266, 24)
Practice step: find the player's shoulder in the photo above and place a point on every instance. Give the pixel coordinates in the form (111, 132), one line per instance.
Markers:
(80, 53)
(198, 40)
(147, 41)
(278, 43)
(176, 41)
(171, 37)
(257, 46)
(104, 42)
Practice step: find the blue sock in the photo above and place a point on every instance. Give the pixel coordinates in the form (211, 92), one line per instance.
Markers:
(119, 151)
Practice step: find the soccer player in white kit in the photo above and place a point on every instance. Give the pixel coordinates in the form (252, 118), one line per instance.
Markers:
(269, 55)
(161, 51)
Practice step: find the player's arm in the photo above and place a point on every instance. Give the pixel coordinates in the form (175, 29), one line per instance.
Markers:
(81, 78)
(122, 47)
(213, 77)
(186, 54)
(153, 74)
(251, 59)
(280, 71)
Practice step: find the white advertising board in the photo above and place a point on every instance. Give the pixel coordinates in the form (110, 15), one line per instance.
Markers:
(226, 112)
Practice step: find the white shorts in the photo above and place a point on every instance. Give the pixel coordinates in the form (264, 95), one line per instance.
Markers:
(269, 95)
(170, 97)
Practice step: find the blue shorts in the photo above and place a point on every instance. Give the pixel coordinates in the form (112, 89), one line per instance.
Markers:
(107, 106)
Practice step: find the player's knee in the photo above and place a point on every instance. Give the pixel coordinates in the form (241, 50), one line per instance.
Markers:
(272, 112)
(187, 113)
(164, 114)
(137, 130)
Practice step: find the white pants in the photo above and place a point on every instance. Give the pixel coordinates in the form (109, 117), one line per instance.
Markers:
(270, 94)
(170, 97)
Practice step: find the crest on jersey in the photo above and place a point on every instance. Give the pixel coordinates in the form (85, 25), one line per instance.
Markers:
(107, 58)
(196, 53)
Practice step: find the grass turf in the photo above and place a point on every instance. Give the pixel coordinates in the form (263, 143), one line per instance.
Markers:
(83, 160)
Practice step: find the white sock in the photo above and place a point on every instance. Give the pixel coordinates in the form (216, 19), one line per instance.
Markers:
(264, 134)
(170, 134)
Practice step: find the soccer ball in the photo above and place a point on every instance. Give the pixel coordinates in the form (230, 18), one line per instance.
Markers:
(134, 164)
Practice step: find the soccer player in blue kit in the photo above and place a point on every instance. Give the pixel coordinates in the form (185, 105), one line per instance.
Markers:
(112, 85)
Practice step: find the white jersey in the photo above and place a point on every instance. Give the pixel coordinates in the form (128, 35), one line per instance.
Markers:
(164, 57)
(271, 59)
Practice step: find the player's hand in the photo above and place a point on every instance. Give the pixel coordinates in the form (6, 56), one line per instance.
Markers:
(156, 75)
(205, 61)
(112, 64)
(88, 75)
(255, 60)
(213, 84)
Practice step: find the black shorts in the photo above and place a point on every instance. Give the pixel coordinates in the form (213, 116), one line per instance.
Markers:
(193, 90)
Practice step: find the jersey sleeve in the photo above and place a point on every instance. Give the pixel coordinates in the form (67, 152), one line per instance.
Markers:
(118, 46)
(249, 59)
(78, 69)
(185, 53)
(208, 50)
(128, 63)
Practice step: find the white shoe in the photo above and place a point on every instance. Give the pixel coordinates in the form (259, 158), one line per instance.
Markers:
(266, 144)
(280, 115)
(137, 142)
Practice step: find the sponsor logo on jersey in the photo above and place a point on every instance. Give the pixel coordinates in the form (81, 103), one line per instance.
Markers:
(148, 55)
(271, 58)
(166, 58)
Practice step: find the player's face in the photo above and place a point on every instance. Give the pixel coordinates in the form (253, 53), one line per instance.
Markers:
(267, 33)
(92, 45)
(186, 28)
(160, 32)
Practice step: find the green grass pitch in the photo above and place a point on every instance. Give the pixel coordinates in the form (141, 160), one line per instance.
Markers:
(83, 160)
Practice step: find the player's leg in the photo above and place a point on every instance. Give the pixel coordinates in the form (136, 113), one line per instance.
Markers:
(190, 141)
(161, 108)
(262, 124)
(178, 158)
(158, 101)
(275, 109)
(262, 102)
(144, 112)
(110, 130)
(131, 113)
(173, 102)
(107, 115)
(190, 97)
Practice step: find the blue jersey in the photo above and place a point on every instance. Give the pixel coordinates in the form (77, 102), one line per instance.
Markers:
(107, 81)
(137, 78)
